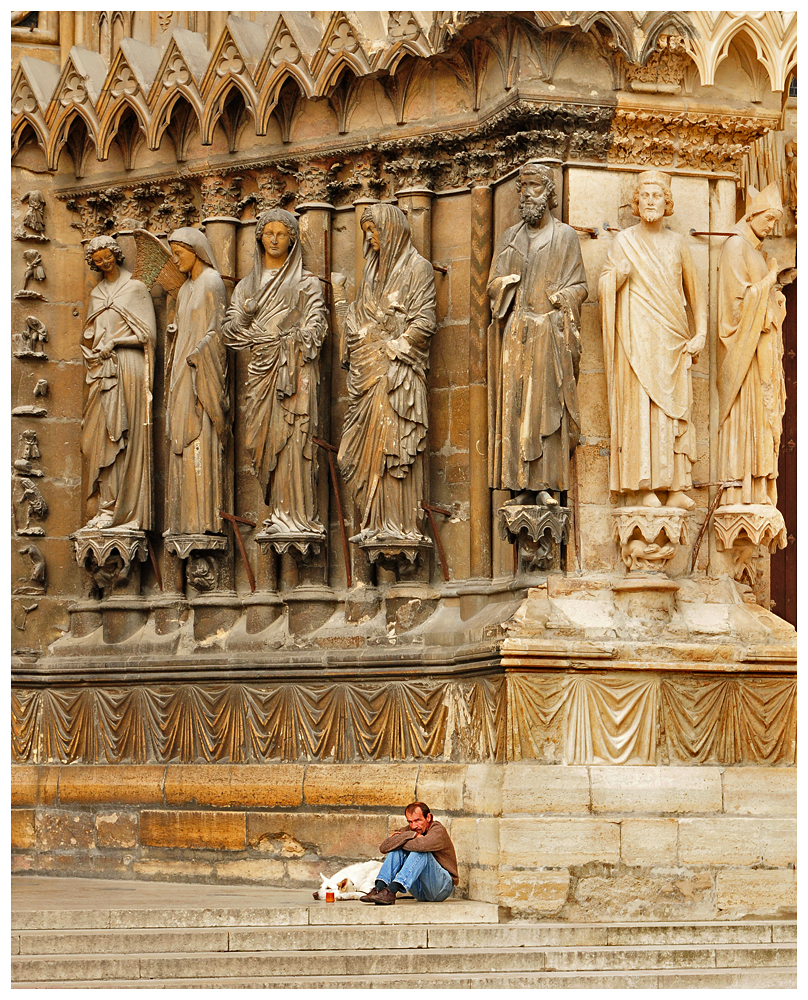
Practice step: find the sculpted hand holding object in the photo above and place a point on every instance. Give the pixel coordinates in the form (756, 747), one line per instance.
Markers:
(278, 313)
(118, 345)
(646, 284)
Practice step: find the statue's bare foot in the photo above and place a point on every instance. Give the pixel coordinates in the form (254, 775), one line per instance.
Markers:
(547, 499)
(525, 497)
(650, 499)
(680, 499)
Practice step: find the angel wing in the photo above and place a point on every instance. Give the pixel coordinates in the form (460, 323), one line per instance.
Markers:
(155, 263)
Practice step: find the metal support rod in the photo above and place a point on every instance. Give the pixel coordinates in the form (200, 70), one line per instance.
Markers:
(236, 521)
(710, 512)
(694, 233)
(429, 513)
(330, 450)
(155, 567)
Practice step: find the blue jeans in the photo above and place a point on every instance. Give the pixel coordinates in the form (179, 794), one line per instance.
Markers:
(419, 873)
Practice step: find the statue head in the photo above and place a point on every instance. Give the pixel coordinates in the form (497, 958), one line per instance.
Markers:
(276, 232)
(649, 178)
(102, 243)
(537, 191)
(196, 242)
(764, 209)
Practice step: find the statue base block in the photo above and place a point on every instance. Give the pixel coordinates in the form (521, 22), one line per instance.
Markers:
(262, 610)
(649, 598)
(301, 544)
(109, 553)
(537, 530)
(649, 536)
(215, 615)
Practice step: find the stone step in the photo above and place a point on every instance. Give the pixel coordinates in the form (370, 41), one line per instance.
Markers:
(396, 936)
(318, 914)
(758, 979)
(395, 963)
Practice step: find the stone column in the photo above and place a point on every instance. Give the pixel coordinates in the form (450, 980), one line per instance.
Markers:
(482, 231)
(315, 236)
(416, 203)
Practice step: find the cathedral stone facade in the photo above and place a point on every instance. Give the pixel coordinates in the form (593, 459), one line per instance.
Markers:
(398, 402)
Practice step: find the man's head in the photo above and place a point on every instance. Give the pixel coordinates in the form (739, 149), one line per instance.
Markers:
(537, 191)
(764, 209)
(652, 197)
(419, 818)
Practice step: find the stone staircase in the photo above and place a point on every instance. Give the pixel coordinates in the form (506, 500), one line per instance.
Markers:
(453, 945)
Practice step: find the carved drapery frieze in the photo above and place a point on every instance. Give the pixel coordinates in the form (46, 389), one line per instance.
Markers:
(560, 717)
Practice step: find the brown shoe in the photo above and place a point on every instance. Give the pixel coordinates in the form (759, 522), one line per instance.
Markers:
(385, 897)
(370, 897)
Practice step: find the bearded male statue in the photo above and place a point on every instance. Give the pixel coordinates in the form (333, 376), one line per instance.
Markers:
(537, 285)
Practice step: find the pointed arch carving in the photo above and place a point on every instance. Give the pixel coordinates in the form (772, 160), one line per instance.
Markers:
(75, 130)
(283, 99)
(20, 127)
(216, 108)
(180, 116)
(118, 126)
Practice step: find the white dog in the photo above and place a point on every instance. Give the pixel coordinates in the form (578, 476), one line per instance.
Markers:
(351, 882)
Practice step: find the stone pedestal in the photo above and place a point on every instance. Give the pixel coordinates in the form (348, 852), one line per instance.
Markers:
(537, 532)
(648, 536)
(404, 557)
(743, 532)
(109, 554)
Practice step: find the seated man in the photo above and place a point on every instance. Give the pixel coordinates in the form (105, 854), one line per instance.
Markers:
(420, 860)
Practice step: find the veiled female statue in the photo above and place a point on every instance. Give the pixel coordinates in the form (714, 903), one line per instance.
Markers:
(751, 386)
(116, 427)
(386, 334)
(278, 313)
(198, 407)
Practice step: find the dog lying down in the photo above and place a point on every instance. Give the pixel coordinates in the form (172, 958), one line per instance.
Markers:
(351, 882)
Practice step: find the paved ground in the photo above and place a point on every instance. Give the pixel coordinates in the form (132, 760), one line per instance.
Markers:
(32, 892)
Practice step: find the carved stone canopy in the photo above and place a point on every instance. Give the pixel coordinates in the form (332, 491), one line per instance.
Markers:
(108, 553)
(184, 545)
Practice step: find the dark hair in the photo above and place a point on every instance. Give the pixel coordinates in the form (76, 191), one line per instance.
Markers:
(425, 810)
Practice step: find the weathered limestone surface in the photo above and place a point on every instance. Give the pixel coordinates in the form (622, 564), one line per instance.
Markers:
(598, 703)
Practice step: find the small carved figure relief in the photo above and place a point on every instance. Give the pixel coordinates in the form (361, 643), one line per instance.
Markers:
(646, 285)
(119, 337)
(791, 174)
(35, 582)
(34, 269)
(751, 386)
(537, 285)
(41, 388)
(648, 538)
(28, 344)
(29, 453)
(33, 223)
(36, 508)
(278, 313)
(385, 346)
(198, 407)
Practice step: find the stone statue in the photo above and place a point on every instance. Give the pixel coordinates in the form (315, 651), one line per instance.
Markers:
(35, 216)
(278, 312)
(751, 387)
(385, 346)
(646, 285)
(538, 282)
(198, 405)
(116, 428)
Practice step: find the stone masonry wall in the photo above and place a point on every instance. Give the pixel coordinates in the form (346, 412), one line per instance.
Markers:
(549, 842)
